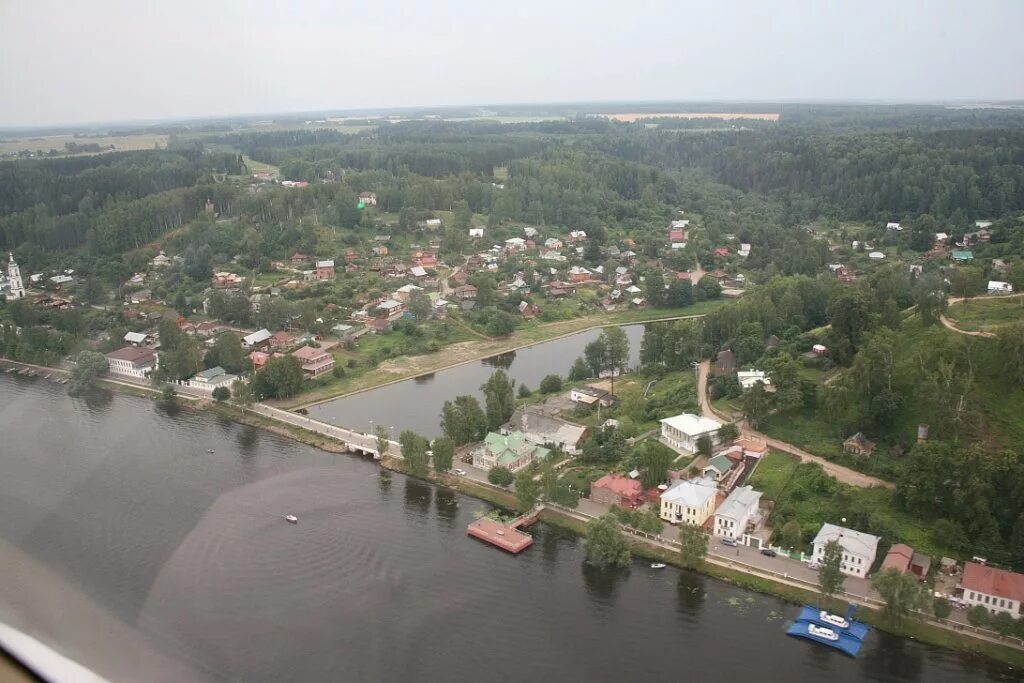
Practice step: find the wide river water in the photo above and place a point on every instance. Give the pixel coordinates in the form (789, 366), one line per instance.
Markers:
(416, 403)
(127, 545)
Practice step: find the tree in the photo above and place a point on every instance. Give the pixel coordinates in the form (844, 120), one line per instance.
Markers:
(499, 396)
(693, 546)
(227, 352)
(527, 489)
(978, 616)
(1011, 345)
(610, 351)
(704, 445)
(654, 288)
(89, 366)
(463, 420)
(902, 593)
(444, 453)
(420, 305)
(606, 545)
(830, 576)
(791, 535)
(168, 394)
(414, 452)
(93, 291)
(383, 442)
(500, 476)
(550, 384)
(579, 370)
(242, 393)
(930, 298)
(1003, 623)
(280, 378)
(941, 608)
(755, 404)
(653, 460)
(728, 432)
(524, 391)
(221, 394)
(680, 294)
(784, 371)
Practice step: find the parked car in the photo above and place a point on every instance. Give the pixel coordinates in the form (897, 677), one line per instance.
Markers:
(814, 564)
(768, 552)
(729, 542)
(459, 472)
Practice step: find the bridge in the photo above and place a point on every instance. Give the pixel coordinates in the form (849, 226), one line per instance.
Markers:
(353, 440)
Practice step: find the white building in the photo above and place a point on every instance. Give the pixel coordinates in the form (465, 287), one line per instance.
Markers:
(994, 589)
(748, 378)
(137, 338)
(208, 380)
(739, 509)
(683, 431)
(16, 288)
(258, 337)
(689, 502)
(132, 362)
(476, 232)
(876, 255)
(858, 548)
(744, 250)
(997, 287)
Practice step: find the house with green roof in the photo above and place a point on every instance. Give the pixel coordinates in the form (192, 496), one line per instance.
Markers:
(717, 467)
(511, 450)
(963, 255)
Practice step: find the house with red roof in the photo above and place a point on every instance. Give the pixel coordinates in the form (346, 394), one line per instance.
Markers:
(997, 590)
(722, 252)
(615, 489)
(315, 362)
(676, 235)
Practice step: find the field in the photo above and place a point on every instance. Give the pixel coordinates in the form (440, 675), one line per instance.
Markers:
(10, 146)
(986, 315)
(630, 117)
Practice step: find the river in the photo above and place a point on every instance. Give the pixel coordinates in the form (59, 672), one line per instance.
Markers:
(416, 403)
(168, 559)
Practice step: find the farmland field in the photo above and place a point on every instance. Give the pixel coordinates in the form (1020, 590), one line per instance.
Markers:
(630, 117)
(121, 143)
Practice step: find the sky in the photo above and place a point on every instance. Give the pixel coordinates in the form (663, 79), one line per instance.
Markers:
(125, 60)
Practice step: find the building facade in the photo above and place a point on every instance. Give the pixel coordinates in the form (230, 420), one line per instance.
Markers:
(132, 361)
(16, 286)
(689, 502)
(739, 510)
(683, 431)
(996, 590)
(859, 549)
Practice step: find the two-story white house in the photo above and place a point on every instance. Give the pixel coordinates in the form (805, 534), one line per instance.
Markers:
(739, 509)
(859, 548)
(132, 361)
(689, 502)
(683, 431)
(997, 590)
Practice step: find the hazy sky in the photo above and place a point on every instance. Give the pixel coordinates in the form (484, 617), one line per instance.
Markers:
(103, 60)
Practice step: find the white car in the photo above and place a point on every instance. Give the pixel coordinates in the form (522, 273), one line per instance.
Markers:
(815, 565)
(459, 472)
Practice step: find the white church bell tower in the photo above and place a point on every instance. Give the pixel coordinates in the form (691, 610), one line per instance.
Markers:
(17, 287)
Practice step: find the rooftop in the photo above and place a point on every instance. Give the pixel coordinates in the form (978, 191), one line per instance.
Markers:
(691, 493)
(133, 354)
(739, 502)
(991, 581)
(852, 541)
(618, 484)
(693, 425)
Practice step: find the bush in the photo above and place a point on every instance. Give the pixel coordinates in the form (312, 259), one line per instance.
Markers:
(500, 476)
(941, 608)
(550, 384)
(338, 371)
(221, 394)
(978, 616)
(524, 391)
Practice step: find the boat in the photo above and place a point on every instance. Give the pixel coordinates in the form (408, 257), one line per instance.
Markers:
(291, 519)
(822, 632)
(833, 619)
(210, 451)
(658, 565)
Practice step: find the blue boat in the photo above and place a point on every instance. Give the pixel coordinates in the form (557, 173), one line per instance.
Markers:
(841, 633)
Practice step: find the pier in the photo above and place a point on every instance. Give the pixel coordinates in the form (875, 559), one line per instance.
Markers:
(508, 537)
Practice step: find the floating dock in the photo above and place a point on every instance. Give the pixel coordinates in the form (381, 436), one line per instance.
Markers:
(508, 537)
(851, 638)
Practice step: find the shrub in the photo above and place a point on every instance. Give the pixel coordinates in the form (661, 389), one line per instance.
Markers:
(550, 384)
(500, 476)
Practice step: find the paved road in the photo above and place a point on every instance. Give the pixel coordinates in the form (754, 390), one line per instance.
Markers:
(843, 474)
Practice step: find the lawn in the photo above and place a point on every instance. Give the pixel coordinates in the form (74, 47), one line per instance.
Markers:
(798, 494)
(986, 315)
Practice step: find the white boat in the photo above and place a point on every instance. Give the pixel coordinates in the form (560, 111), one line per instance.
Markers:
(833, 619)
(657, 565)
(210, 451)
(822, 632)
(292, 519)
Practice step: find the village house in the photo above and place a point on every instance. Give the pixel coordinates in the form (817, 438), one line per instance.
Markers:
(260, 358)
(683, 431)
(676, 235)
(615, 489)
(391, 309)
(551, 431)
(256, 340)
(299, 259)
(132, 361)
(314, 361)
(515, 244)
(859, 548)
(590, 396)
(739, 511)
(689, 502)
(138, 338)
(858, 444)
(748, 378)
(379, 325)
(579, 274)
(476, 232)
(225, 279)
(553, 243)
(207, 329)
(998, 287)
(722, 252)
(465, 292)
(367, 199)
(208, 380)
(903, 559)
(325, 270)
(577, 236)
(512, 451)
(996, 590)
(404, 293)
(725, 363)
(718, 468)
(281, 340)
(160, 260)
(528, 310)
(744, 249)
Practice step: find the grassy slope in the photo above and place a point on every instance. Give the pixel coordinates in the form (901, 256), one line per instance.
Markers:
(986, 315)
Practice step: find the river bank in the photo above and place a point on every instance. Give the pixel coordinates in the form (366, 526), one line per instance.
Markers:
(921, 631)
(404, 368)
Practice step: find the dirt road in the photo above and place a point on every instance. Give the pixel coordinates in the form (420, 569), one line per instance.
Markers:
(843, 474)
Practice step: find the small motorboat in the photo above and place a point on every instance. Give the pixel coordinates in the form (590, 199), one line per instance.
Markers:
(210, 451)
(658, 565)
(291, 519)
(833, 619)
(822, 632)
